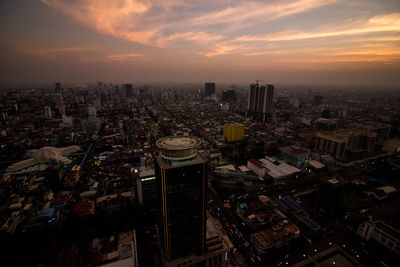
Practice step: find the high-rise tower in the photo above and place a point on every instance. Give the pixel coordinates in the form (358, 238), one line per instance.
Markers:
(181, 177)
(128, 89)
(59, 98)
(209, 89)
(260, 102)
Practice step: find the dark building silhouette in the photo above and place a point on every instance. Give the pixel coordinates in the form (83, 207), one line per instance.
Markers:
(228, 95)
(209, 89)
(318, 100)
(181, 177)
(128, 90)
(58, 87)
(260, 102)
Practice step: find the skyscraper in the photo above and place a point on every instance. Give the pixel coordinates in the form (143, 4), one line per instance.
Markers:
(47, 112)
(260, 102)
(59, 98)
(209, 89)
(181, 177)
(128, 90)
(58, 87)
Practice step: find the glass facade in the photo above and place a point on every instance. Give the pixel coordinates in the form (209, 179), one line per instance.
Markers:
(182, 208)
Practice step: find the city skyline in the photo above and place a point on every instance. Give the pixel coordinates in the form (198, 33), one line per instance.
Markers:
(303, 42)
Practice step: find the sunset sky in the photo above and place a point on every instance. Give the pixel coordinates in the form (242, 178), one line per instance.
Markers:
(340, 42)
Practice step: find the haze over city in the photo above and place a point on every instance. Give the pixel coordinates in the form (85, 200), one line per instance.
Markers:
(301, 42)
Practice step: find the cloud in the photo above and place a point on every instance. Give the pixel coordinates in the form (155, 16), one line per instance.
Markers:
(117, 17)
(120, 57)
(266, 11)
(380, 23)
(157, 23)
(53, 52)
(224, 49)
(212, 28)
(201, 37)
(75, 53)
(354, 53)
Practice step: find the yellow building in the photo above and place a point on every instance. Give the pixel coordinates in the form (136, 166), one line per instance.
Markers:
(233, 132)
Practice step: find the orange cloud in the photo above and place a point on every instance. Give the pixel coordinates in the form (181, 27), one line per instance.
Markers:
(250, 10)
(136, 20)
(120, 57)
(116, 17)
(200, 37)
(381, 23)
(224, 49)
(178, 23)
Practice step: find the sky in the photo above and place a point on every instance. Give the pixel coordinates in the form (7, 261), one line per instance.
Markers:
(335, 42)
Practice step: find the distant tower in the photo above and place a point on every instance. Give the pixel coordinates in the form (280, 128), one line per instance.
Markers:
(58, 87)
(97, 103)
(269, 108)
(318, 100)
(59, 98)
(128, 90)
(47, 112)
(92, 111)
(100, 85)
(209, 89)
(260, 102)
(181, 177)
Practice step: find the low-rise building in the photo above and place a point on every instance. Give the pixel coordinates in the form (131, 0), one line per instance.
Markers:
(332, 256)
(295, 155)
(277, 169)
(382, 233)
(271, 228)
(256, 167)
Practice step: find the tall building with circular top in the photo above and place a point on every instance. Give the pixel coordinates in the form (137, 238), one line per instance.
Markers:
(181, 180)
(177, 148)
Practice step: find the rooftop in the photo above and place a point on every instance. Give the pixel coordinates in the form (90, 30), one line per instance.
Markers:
(278, 169)
(178, 148)
(145, 172)
(178, 142)
(388, 229)
(271, 227)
